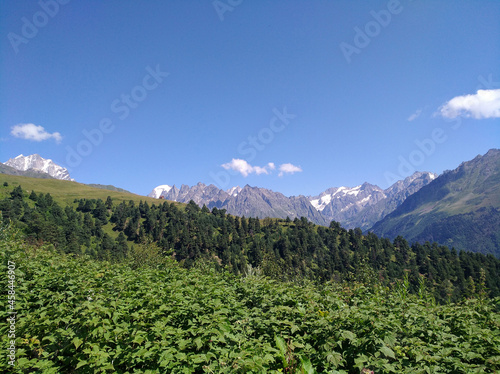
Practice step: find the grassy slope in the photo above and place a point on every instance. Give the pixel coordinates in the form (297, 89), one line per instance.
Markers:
(107, 187)
(65, 192)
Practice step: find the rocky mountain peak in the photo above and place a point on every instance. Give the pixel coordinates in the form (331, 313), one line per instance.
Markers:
(37, 162)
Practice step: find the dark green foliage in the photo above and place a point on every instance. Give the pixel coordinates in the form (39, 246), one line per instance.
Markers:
(17, 193)
(109, 202)
(33, 196)
(283, 249)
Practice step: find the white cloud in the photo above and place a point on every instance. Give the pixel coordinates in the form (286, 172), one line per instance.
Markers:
(483, 104)
(243, 167)
(415, 115)
(33, 132)
(288, 169)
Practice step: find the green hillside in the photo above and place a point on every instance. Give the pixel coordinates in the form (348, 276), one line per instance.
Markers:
(460, 209)
(107, 187)
(65, 192)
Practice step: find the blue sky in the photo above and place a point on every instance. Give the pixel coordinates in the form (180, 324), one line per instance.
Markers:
(295, 96)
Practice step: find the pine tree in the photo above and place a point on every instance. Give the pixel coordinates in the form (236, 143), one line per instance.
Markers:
(33, 196)
(120, 249)
(109, 203)
(17, 193)
(100, 212)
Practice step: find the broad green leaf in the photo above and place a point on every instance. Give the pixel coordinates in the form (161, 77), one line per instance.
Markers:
(138, 339)
(81, 363)
(335, 358)
(198, 359)
(181, 356)
(198, 343)
(306, 366)
(280, 343)
(77, 342)
(387, 351)
(390, 340)
(348, 335)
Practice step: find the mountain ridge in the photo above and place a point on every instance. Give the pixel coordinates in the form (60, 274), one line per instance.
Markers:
(460, 208)
(352, 206)
(246, 201)
(359, 206)
(31, 173)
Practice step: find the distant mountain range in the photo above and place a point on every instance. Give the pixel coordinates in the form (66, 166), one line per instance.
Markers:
(247, 201)
(460, 208)
(34, 164)
(359, 206)
(363, 205)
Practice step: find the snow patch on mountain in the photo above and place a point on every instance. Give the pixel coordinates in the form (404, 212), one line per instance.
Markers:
(322, 202)
(363, 205)
(325, 198)
(234, 191)
(366, 199)
(158, 191)
(353, 191)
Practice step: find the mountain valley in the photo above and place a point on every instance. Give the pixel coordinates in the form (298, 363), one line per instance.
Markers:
(459, 208)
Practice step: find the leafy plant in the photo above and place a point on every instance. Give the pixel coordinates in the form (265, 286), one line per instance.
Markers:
(79, 315)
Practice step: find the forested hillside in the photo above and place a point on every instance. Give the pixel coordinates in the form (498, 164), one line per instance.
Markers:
(282, 249)
(460, 208)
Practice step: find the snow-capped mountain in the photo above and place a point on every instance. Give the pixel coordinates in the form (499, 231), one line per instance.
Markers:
(359, 206)
(36, 162)
(247, 201)
(160, 191)
(199, 193)
(363, 205)
(343, 198)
